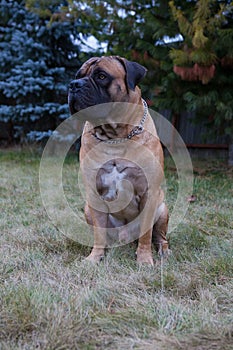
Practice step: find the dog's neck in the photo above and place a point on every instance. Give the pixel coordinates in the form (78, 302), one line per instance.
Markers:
(114, 132)
(110, 131)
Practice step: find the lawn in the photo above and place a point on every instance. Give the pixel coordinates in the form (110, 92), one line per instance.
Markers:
(52, 299)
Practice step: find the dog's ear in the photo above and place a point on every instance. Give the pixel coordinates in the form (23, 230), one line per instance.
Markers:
(134, 73)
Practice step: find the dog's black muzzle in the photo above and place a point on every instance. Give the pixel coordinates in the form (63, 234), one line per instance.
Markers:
(84, 93)
(76, 85)
(79, 95)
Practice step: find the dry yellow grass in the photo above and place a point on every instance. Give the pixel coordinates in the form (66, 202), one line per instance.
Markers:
(52, 299)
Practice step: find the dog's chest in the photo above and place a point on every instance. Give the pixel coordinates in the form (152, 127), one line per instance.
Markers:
(121, 179)
(112, 183)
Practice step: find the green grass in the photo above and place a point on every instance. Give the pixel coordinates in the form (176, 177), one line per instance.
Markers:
(51, 299)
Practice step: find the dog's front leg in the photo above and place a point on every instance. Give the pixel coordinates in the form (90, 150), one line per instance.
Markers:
(99, 223)
(144, 253)
(160, 230)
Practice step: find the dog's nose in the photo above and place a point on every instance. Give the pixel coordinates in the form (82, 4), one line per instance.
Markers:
(75, 85)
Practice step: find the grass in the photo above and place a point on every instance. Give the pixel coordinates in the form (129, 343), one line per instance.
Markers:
(52, 299)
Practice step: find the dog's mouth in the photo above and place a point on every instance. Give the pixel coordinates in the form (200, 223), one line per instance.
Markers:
(78, 102)
(87, 109)
(79, 96)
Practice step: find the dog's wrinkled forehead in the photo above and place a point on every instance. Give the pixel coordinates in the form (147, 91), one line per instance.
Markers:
(104, 63)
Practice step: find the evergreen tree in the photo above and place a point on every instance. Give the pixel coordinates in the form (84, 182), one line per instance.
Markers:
(37, 60)
(204, 60)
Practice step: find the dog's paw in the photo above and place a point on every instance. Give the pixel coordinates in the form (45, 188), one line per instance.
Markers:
(144, 257)
(96, 256)
(164, 253)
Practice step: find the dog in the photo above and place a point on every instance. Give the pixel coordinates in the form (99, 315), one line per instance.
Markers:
(121, 158)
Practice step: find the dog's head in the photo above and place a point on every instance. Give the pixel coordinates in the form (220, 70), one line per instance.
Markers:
(105, 79)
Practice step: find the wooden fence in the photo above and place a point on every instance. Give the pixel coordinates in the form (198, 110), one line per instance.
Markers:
(196, 137)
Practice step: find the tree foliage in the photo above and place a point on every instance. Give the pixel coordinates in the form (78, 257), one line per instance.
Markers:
(37, 60)
(206, 56)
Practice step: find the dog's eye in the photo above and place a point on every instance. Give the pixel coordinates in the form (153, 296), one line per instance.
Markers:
(101, 76)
